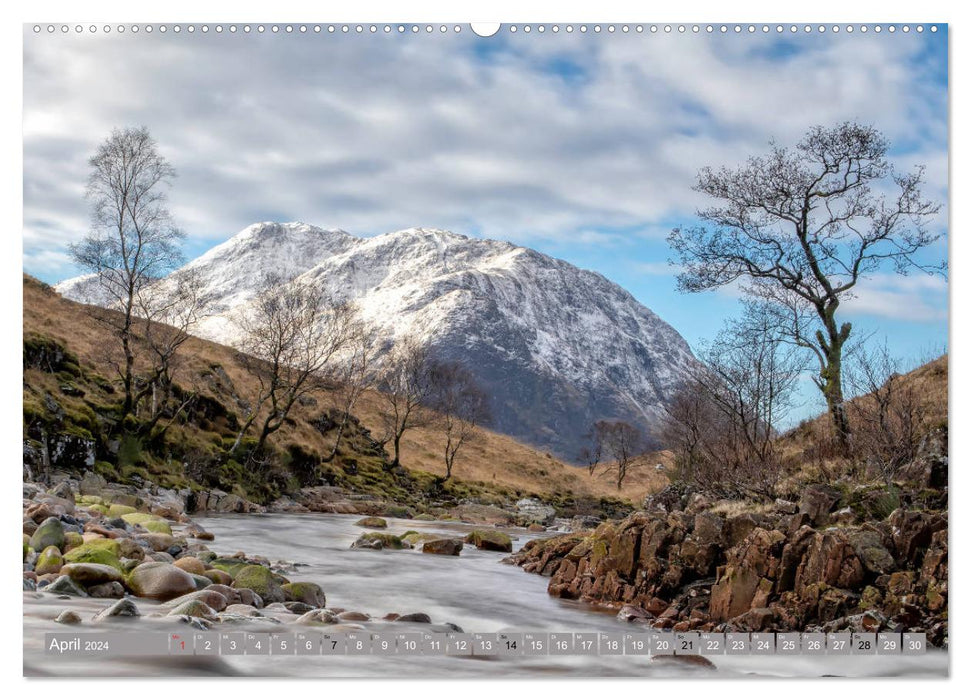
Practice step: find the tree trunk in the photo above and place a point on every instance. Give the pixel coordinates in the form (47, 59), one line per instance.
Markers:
(832, 385)
(129, 379)
(397, 450)
(337, 440)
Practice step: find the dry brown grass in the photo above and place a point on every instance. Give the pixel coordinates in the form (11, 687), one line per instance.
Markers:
(493, 458)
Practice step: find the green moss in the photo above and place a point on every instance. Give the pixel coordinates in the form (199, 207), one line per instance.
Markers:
(117, 510)
(157, 526)
(229, 565)
(100, 551)
(136, 518)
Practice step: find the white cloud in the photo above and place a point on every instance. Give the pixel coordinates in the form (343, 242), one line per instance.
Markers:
(916, 297)
(555, 138)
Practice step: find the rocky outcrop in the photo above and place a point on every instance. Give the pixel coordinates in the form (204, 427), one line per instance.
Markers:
(675, 568)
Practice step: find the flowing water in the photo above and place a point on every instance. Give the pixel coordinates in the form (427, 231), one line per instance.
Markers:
(474, 591)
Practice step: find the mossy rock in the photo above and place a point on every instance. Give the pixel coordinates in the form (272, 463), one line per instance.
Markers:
(117, 510)
(48, 533)
(228, 564)
(194, 608)
(98, 508)
(218, 576)
(261, 581)
(372, 521)
(26, 549)
(157, 526)
(137, 518)
(492, 540)
(414, 538)
(305, 592)
(72, 539)
(102, 551)
(424, 516)
(50, 561)
(379, 540)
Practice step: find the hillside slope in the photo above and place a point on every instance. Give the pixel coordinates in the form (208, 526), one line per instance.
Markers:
(69, 399)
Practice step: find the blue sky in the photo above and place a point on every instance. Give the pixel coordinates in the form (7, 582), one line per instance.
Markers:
(582, 146)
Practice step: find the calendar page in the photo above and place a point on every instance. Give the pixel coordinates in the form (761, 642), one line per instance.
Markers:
(543, 350)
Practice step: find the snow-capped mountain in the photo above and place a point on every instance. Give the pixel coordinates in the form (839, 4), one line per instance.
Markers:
(556, 347)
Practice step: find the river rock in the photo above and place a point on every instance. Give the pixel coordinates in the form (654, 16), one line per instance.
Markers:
(218, 576)
(379, 540)
(242, 609)
(535, 511)
(111, 589)
(124, 608)
(65, 586)
(490, 539)
(191, 565)
(194, 608)
(305, 592)
(447, 546)
(96, 551)
(160, 581)
(214, 599)
(261, 581)
(49, 561)
(317, 617)
(372, 521)
(50, 533)
(68, 617)
(249, 597)
(418, 617)
(353, 616)
(91, 574)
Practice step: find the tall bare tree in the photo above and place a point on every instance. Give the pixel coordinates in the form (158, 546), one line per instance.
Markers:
(351, 376)
(167, 314)
(290, 333)
(133, 241)
(621, 444)
(800, 228)
(406, 388)
(462, 407)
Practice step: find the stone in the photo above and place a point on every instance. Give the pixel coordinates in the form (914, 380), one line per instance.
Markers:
(536, 527)
(218, 576)
(230, 594)
(305, 592)
(372, 521)
(157, 541)
(447, 546)
(492, 540)
(68, 617)
(49, 561)
(536, 511)
(64, 585)
(419, 617)
(191, 565)
(243, 609)
(231, 565)
(124, 608)
(160, 581)
(194, 608)
(379, 540)
(818, 501)
(869, 547)
(261, 581)
(317, 617)
(89, 574)
(353, 616)
(633, 613)
(249, 597)
(92, 484)
(50, 533)
(63, 490)
(111, 589)
(97, 551)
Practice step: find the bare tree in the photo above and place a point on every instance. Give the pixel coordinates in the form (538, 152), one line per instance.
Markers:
(351, 376)
(290, 333)
(133, 241)
(722, 425)
(889, 415)
(167, 313)
(801, 228)
(461, 404)
(406, 387)
(619, 442)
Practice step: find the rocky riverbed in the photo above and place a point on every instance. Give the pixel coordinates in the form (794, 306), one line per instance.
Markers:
(818, 565)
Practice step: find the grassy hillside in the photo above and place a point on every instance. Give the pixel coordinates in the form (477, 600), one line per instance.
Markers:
(71, 398)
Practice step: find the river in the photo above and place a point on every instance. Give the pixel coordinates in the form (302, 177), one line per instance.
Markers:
(474, 591)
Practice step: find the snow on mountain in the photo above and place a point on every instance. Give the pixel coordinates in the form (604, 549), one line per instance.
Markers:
(556, 347)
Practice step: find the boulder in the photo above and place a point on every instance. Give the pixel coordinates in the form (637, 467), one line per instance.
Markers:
(317, 617)
(160, 581)
(124, 608)
(305, 592)
(492, 540)
(191, 565)
(869, 548)
(97, 551)
(447, 546)
(818, 501)
(50, 533)
(194, 608)
(218, 576)
(111, 589)
(68, 617)
(535, 511)
(418, 617)
(90, 574)
(65, 586)
(49, 561)
(379, 540)
(92, 484)
(261, 581)
(372, 521)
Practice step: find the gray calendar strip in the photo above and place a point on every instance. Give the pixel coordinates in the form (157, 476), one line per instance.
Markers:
(501, 644)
